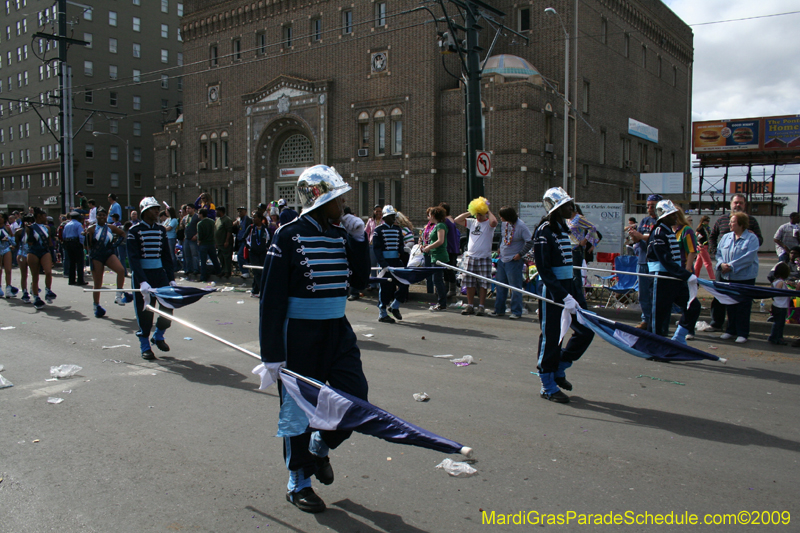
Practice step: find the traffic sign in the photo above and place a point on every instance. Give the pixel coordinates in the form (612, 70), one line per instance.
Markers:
(483, 163)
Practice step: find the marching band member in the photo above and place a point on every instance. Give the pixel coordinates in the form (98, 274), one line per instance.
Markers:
(387, 243)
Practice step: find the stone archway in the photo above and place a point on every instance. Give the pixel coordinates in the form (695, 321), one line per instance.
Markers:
(285, 150)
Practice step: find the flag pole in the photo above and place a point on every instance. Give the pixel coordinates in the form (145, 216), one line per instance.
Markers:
(640, 274)
(112, 290)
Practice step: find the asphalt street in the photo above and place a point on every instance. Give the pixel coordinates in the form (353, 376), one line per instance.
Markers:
(186, 443)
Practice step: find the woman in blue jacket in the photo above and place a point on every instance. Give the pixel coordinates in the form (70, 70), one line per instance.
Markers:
(737, 261)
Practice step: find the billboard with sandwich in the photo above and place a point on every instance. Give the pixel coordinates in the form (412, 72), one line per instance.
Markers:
(766, 134)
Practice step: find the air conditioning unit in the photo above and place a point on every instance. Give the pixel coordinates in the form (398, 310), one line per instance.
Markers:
(646, 168)
(203, 165)
(628, 164)
(363, 152)
(548, 148)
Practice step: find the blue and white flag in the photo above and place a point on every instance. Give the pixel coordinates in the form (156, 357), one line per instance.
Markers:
(408, 276)
(639, 342)
(177, 297)
(329, 409)
(733, 293)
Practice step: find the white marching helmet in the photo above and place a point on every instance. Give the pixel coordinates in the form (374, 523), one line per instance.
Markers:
(665, 208)
(319, 185)
(148, 202)
(554, 198)
(389, 210)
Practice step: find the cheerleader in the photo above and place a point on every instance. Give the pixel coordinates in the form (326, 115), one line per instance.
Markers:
(6, 249)
(21, 237)
(553, 251)
(40, 237)
(102, 248)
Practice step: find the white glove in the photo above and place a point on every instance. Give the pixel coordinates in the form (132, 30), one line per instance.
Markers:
(269, 373)
(173, 283)
(692, 279)
(145, 287)
(354, 226)
(571, 304)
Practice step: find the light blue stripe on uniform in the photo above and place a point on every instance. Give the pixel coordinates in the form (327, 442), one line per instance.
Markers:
(303, 250)
(331, 240)
(655, 266)
(391, 255)
(316, 308)
(151, 263)
(563, 272)
(314, 262)
(328, 273)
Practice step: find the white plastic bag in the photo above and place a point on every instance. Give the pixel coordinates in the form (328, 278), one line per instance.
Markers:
(64, 371)
(416, 258)
(456, 469)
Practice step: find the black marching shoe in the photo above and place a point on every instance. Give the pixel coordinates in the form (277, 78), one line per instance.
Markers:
(306, 500)
(563, 383)
(160, 344)
(558, 397)
(386, 319)
(148, 355)
(324, 470)
(396, 313)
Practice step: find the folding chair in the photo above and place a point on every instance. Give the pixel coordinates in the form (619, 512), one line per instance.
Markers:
(625, 289)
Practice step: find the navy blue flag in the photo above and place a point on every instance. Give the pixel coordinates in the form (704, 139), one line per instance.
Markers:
(641, 343)
(329, 409)
(734, 293)
(177, 297)
(409, 276)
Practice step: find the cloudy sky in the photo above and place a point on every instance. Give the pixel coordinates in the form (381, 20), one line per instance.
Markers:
(745, 68)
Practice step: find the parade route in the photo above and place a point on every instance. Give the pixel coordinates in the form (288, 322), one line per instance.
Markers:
(185, 443)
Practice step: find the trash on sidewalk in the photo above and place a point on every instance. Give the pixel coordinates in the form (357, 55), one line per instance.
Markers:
(659, 379)
(463, 361)
(421, 396)
(7, 327)
(440, 356)
(64, 371)
(456, 469)
(4, 383)
(116, 346)
(702, 326)
(54, 400)
(456, 305)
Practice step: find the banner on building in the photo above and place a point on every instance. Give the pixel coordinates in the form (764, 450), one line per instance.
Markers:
(608, 218)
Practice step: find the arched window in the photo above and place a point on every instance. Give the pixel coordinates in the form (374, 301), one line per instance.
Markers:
(224, 149)
(214, 150)
(363, 129)
(397, 131)
(297, 149)
(173, 157)
(380, 132)
(203, 151)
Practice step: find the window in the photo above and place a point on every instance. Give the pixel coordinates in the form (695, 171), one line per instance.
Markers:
(380, 138)
(114, 153)
(658, 66)
(380, 14)
(88, 38)
(261, 43)
(88, 68)
(644, 56)
(642, 157)
(137, 155)
(180, 36)
(237, 49)
(11, 133)
(164, 103)
(524, 17)
(585, 175)
(165, 6)
(112, 99)
(25, 81)
(89, 178)
(397, 194)
(27, 129)
(204, 149)
(287, 36)
(89, 151)
(112, 18)
(137, 76)
(112, 45)
(180, 59)
(180, 10)
(137, 2)
(380, 192)
(602, 147)
(87, 13)
(137, 180)
(180, 83)
(137, 24)
(604, 30)
(316, 29)
(173, 158)
(137, 102)
(627, 45)
(137, 50)
(347, 22)
(585, 108)
(164, 81)
(88, 97)
(214, 55)
(25, 51)
(115, 179)
(112, 72)
(674, 76)
(165, 31)
(213, 148)
(137, 129)
(224, 149)
(164, 56)
(397, 131)
(89, 124)
(113, 126)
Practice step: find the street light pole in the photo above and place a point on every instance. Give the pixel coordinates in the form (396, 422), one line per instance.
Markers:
(552, 11)
(128, 205)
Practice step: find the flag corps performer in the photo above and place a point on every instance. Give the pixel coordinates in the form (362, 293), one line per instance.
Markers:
(151, 266)
(310, 265)
(664, 258)
(553, 252)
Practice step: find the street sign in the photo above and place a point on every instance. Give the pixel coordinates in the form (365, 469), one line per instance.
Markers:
(483, 163)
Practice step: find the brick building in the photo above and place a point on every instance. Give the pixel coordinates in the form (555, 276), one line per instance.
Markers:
(126, 85)
(275, 86)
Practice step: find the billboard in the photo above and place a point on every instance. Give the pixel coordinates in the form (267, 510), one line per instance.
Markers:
(608, 218)
(763, 134)
(756, 187)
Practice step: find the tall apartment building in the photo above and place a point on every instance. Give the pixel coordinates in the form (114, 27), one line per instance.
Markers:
(126, 84)
(274, 87)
